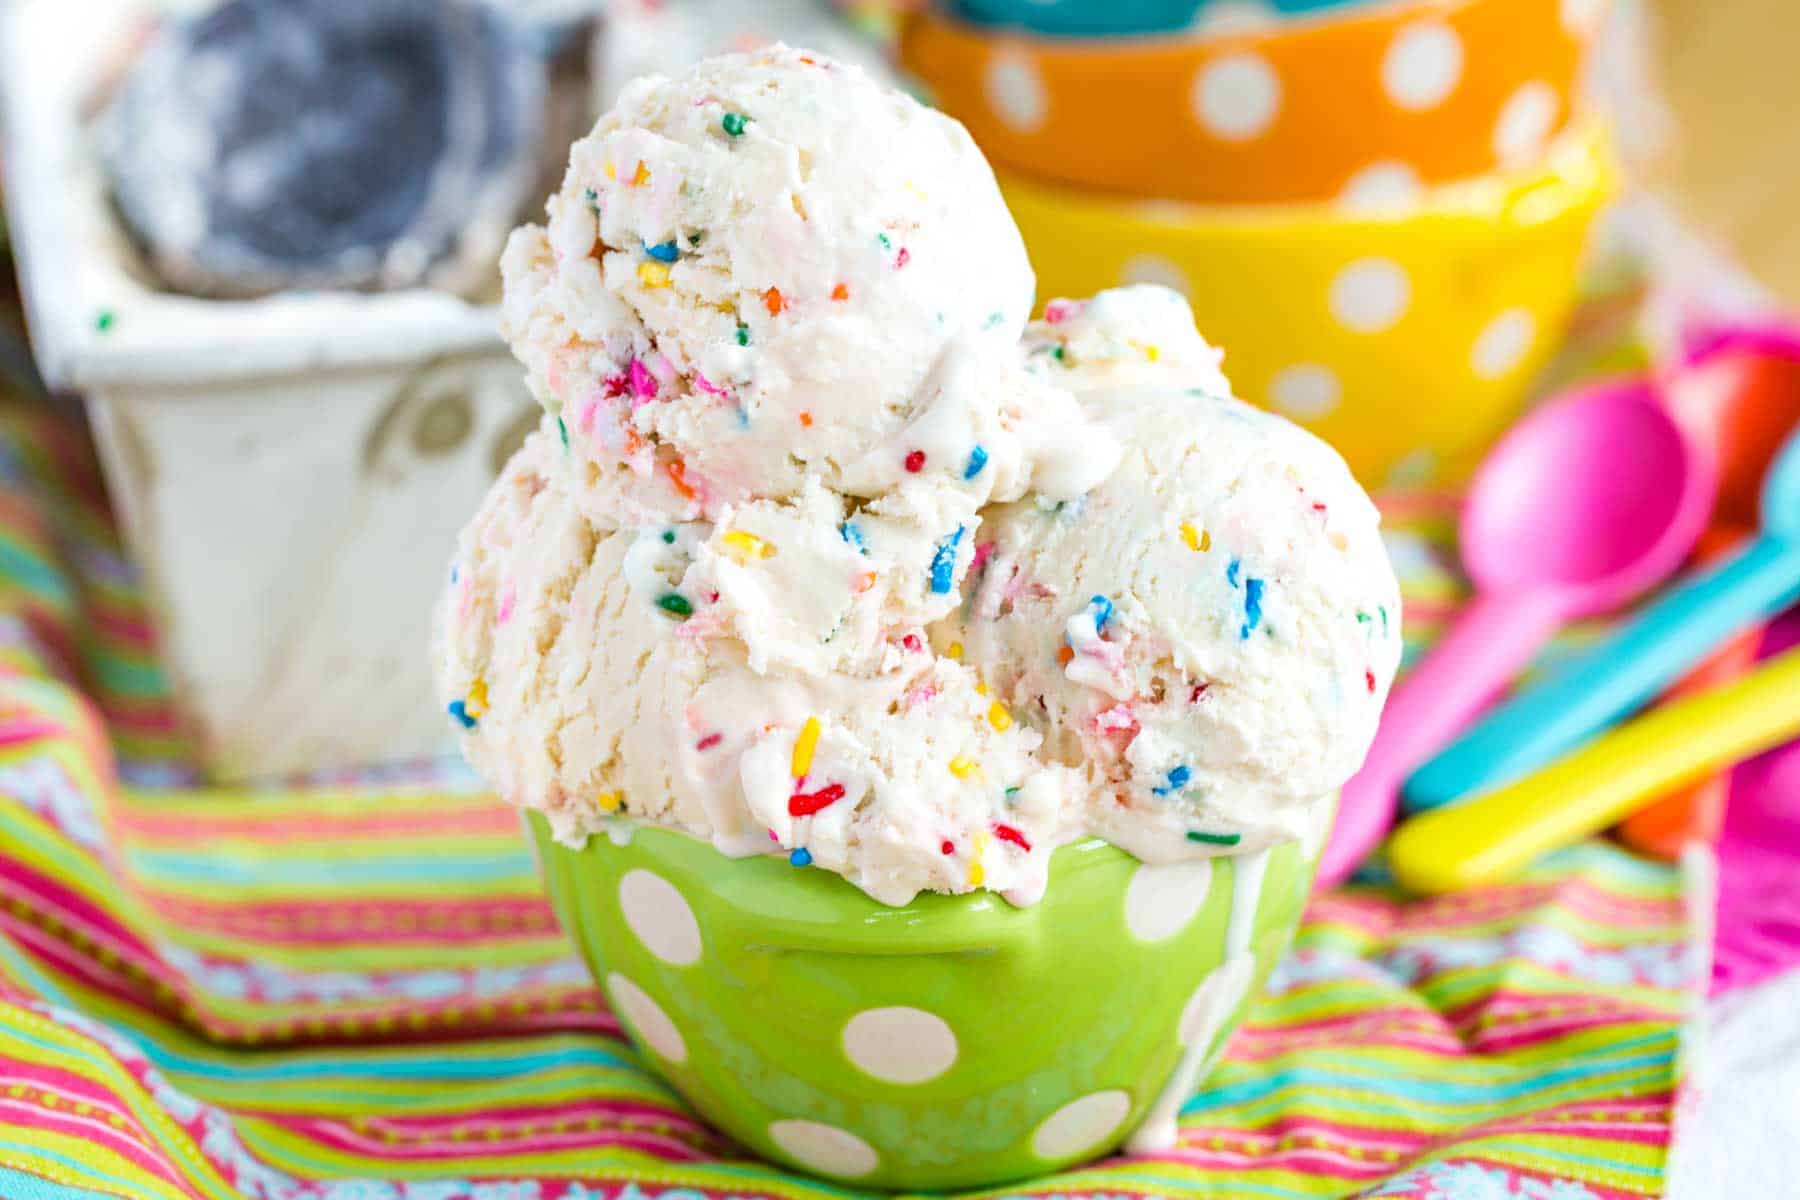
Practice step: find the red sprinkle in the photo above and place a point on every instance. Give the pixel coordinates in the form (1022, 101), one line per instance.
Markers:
(1369, 678)
(709, 741)
(616, 385)
(902, 258)
(1199, 691)
(915, 462)
(774, 301)
(1007, 833)
(802, 804)
(949, 847)
(911, 642)
(1317, 507)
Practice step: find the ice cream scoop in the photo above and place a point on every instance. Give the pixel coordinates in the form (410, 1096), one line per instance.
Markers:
(772, 269)
(1210, 633)
(1548, 535)
(1634, 663)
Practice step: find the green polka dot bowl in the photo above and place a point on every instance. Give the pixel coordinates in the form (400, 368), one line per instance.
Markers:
(954, 1042)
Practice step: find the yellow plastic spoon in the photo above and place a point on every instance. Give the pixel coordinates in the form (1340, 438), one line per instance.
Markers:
(1494, 836)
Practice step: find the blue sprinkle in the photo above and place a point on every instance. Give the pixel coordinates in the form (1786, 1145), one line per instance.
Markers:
(850, 533)
(1103, 611)
(977, 460)
(801, 857)
(662, 251)
(1177, 779)
(1253, 594)
(1231, 573)
(461, 712)
(455, 573)
(943, 563)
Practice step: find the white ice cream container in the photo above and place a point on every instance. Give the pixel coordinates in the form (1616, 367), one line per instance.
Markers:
(289, 473)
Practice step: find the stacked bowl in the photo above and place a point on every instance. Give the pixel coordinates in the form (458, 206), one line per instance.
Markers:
(1379, 209)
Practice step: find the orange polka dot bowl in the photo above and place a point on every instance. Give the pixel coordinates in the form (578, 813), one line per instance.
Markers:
(1349, 102)
(954, 1042)
(1408, 337)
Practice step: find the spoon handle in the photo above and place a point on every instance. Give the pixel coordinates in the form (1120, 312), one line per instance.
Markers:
(1493, 837)
(1611, 680)
(1491, 641)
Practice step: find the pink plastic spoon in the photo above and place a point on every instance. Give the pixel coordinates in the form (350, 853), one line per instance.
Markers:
(1587, 503)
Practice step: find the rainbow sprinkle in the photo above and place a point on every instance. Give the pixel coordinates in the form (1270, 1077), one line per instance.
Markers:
(1214, 839)
(962, 766)
(676, 605)
(850, 533)
(653, 275)
(998, 717)
(943, 563)
(477, 703)
(745, 546)
(734, 124)
(801, 857)
(801, 804)
(1102, 609)
(610, 801)
(804, 745)
(1007, 833)
(643, 383)
(1253, 594)
(460, 711)
(1177, 779)
(1198, 540)
(663, 251)
(954, 651)
(978, 458)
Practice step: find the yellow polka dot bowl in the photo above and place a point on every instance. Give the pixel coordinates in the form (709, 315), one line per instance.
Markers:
(1345, 103)
(1407, 337)
(954, 1042)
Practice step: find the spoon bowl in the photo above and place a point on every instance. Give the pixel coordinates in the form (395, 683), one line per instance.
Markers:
(1741, 385)
(1588, 502)
(1781, 494)
(1600, 494)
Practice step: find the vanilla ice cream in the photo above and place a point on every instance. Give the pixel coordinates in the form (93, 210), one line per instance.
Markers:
(1212, 630)
(819, 552)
